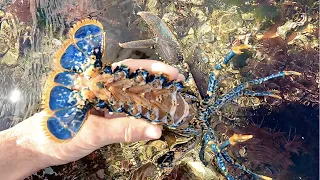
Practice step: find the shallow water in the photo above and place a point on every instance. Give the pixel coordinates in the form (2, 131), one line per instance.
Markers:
(283, 35)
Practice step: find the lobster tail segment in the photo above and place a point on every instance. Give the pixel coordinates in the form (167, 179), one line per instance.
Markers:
(61, 97)
(70, 58)
(66, 111)
(86, 28)
(65, 78)
(89, 37)
(64, 124)
(83, 52)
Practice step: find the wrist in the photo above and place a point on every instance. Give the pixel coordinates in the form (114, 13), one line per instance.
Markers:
(25, 142)
(19, 153)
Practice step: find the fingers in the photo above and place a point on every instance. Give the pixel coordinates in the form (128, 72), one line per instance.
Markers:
(152, 66)
(118, 129)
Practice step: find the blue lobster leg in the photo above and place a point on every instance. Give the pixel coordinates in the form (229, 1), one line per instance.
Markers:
(220, 161)
(236, 138)
(222, 155)
(279, 74)
(272, 93)
(212, 87)
(238, 91)
(208, 138)
(227, 157)
(236, 50)
(213, 79)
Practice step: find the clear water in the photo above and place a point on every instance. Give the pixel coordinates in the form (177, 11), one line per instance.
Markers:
(32, 31)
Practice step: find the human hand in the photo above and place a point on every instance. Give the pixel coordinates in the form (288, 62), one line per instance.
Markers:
(96, 132)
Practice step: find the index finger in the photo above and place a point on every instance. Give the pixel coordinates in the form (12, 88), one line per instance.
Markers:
(152, 66)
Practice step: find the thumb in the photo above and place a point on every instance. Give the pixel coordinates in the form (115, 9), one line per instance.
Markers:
(106, 130)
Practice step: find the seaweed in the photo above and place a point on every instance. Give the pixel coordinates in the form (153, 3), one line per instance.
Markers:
(278, 56)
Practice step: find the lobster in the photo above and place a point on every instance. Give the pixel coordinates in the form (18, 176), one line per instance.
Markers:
(80, 82)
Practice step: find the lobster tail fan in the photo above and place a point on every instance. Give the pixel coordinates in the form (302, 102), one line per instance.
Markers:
(63, 125)
(89, 37)
(65, 115)
(66, 123)
(65, 78)
(66, 112)
(70, 58)
(66, 101)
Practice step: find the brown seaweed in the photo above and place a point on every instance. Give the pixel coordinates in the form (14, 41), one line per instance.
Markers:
(278, 57)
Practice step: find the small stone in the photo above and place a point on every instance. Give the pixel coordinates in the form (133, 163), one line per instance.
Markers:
(191, 31)
(100, 173)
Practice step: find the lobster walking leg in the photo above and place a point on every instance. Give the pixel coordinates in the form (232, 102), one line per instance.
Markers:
(213, 79)
(239, 90)
(272, 93)
(227, 157)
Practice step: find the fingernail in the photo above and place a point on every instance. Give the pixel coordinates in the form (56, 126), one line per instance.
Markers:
(153, 132)
(181, 77)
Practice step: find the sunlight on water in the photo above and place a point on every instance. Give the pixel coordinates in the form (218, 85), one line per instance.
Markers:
(15, 95)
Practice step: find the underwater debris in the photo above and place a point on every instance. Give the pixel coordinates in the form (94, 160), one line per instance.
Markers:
(146, 171)
(295, 19)
(191, 169)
